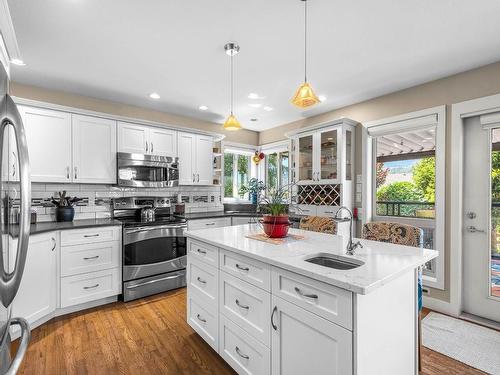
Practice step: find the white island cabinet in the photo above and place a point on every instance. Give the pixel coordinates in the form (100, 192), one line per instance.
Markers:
(266, 310)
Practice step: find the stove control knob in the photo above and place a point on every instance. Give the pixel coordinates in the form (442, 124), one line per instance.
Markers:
(163, 201)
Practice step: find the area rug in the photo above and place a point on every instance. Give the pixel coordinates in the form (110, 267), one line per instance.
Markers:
(466, 342)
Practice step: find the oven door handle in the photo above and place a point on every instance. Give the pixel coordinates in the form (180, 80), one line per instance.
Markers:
(155, 281)
(144, 229)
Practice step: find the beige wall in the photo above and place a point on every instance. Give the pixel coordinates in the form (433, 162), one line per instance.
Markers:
(113, 108)
(472, 84)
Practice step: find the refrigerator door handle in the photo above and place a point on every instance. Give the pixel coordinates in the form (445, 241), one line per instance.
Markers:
(23, 345)
(9, 282)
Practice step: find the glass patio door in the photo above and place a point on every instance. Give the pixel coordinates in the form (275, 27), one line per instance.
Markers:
(481, 234)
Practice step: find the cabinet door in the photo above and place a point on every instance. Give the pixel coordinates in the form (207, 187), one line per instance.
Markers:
(163, 142)
(37, 296)
(186, 144)
(204, 160)
(94, 150)
(328, 155)
(304, 343)
(49, 144)
(306, 172)
(133, 138)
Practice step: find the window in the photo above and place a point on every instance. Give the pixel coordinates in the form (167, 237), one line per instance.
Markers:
(277, 169)
(237, 171)
(407, 178)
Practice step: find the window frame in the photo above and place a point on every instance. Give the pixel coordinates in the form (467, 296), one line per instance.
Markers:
(237, 149)
(432, 117)
(276, 147)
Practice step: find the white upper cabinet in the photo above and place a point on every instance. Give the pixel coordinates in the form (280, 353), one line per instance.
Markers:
(140, 139)
(163, 142)
(94, 149)
(48, 135)
(325, 155)
(195, 159)
(36, 297)
(133, 138)
(186, 143)
(204, 160)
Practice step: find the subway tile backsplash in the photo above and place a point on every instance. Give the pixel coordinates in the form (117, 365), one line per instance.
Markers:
(96, 199)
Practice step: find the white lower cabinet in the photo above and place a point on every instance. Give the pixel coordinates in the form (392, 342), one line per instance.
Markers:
(216, 222)
(308, 331)
(304, 343)
(57, 276)
(244, 353)
(37, 294)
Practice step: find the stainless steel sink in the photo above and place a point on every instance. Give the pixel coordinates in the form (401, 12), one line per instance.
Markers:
(337, 262)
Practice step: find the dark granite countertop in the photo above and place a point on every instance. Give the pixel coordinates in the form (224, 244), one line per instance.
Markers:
(50, 226)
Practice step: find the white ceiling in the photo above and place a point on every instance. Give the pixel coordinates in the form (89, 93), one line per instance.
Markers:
(122, 50)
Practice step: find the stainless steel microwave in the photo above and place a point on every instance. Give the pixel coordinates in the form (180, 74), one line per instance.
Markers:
(146, 171)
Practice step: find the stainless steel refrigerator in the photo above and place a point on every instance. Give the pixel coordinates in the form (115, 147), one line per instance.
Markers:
(12, 253)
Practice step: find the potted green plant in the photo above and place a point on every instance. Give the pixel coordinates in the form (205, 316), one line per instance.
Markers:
(274, 207)
(65, 210)
(253, 189)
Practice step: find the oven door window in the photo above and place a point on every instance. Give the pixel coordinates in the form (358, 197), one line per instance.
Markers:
(154, 250)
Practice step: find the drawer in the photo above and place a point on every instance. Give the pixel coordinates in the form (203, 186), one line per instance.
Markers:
(327, 301)
(202, 317)
(328, 211)
(253, 271)
(90, 287)
(90, 235)
(245, 354)
(207, 253)
(247, 306)
(305, 210)
(89, 258)
(203, 278)
(209, 223)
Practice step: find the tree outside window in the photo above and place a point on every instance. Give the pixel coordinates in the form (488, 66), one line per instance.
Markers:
(236, 173)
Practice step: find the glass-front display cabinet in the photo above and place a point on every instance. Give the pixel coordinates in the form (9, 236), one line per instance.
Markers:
(325, 155)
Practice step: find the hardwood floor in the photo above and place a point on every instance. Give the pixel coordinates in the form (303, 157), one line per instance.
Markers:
(148, 336)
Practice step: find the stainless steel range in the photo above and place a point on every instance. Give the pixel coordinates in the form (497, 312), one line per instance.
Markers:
(154, 246)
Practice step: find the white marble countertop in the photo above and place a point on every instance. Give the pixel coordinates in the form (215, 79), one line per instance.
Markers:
(383, 262)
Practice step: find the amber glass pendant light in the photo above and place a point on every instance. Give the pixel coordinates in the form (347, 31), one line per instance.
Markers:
(304, 96)
(232, 122)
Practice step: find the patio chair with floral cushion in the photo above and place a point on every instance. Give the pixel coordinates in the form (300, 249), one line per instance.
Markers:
(400, 234)
(318, 224)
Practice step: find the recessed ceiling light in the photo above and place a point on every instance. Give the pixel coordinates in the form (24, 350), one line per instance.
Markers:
(253, 95)
(254, 119)
(267, 108)
(255, 105)
(154, 95)
(18, 62)
(322, 98)
(202, 107)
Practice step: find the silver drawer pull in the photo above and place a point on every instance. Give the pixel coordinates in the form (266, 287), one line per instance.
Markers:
(209, 223)
(201, 280)
(91, 235)
(200, 318)
(246, 307)
(240, 353)
(242, 268)
(89, 258)
(201, 251)
(91, 287)
(299, 292)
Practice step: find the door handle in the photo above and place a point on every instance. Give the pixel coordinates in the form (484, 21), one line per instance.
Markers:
(9, 282)
(67, 173)
(90, 258)
(76, 173)
(275, 327)
(242, 268)
(200, 318)
(241, 354)
(23, 346)
(302, 294)
(246, 307)
(55, 243)
(91, 287)
(201, 280)
(151, 146)
(146, 146)
(473, 229)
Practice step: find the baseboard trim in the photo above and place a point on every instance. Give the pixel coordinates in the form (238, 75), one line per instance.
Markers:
(439, 306)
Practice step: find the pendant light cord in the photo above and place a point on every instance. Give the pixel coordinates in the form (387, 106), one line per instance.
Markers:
(231, 90)
(305, 40)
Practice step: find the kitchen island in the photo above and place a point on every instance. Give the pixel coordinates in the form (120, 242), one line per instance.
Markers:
(267, 310)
